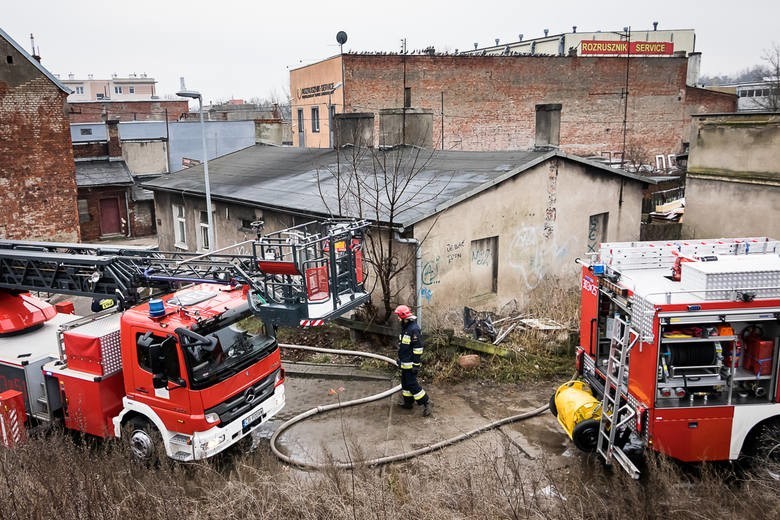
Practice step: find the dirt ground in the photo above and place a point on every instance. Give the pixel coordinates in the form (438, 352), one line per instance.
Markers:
(381, 428)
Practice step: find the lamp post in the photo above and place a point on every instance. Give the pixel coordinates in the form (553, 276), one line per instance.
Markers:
(330, 112)
(196, 95)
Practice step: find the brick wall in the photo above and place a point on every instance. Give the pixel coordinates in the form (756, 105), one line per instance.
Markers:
(90, 150)
(90, 227)
(142, 219)
(37, 172)
(95, 111)
(489, 101)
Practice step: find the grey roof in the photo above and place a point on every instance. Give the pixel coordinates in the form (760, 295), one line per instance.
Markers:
(102, 173)
(35, 62)
(286, 178)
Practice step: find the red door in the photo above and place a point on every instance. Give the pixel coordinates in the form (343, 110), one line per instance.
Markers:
(110, 221)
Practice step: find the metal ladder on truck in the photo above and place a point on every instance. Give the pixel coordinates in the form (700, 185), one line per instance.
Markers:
(294, 276)
(614, 415)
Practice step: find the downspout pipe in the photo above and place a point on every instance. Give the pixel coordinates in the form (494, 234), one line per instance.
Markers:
(417, 271)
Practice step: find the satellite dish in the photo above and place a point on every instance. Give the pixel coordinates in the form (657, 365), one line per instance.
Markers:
(341, 37)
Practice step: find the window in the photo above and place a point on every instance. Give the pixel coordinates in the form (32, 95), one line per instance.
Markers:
(315, 119)
(85, 131)
(117, 90)
(9, 59)
(597, 231)
(484, 266)
(203, 232)
(131, 90)
(179, 227)
(300, 120)
(79, 90)
(407, 97)
(84, 215)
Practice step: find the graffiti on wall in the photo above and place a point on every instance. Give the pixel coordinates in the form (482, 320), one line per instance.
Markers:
(430, 272)
(455, 250)
(532, 254)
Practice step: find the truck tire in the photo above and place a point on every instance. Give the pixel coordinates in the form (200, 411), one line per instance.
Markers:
(553, 407)
(586, 435)
(763, 443)
(143, 440)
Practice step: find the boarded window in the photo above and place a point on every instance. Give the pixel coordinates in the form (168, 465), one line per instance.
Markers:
(484, 265)
(84, 211)
(597, 231)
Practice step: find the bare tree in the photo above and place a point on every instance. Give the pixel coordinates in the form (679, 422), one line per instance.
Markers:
(382, 186)
(771, 99)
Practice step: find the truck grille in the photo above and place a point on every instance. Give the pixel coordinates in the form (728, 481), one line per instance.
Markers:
(242, 402)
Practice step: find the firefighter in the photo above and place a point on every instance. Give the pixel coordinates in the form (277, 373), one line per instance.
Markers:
(410, 348)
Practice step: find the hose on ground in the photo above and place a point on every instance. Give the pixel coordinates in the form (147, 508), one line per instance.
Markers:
(381, 460)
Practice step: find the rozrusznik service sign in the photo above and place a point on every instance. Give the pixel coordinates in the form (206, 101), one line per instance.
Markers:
(625, 47)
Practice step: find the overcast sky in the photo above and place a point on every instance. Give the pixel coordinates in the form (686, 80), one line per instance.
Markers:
(243, 49)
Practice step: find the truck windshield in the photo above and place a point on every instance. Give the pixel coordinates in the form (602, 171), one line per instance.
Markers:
(216, 353)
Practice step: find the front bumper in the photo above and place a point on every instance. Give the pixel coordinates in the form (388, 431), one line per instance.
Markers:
(210, 442)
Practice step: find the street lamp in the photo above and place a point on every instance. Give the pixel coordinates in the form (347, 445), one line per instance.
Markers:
(196, 95)
(330, 112)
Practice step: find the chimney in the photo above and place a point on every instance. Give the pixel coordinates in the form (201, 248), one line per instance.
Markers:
(354, 129)
(546, 31)
(655, 26)
(548, 126)
(694, 68)
(497, 40)
(114, 145)
(574, 28)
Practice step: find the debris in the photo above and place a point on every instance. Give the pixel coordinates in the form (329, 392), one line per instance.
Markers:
(541, 324)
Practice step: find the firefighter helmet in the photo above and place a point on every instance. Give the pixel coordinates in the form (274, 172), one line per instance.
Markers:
(403, 312)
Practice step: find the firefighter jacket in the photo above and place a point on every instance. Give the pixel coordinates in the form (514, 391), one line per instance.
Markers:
(410, 345)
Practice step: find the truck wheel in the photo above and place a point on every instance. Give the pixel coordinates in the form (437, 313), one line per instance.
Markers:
(586, 435)
(142, 439)
(553, 407)
(764, 443)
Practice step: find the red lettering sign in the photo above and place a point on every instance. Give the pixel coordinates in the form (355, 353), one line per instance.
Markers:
(613, 47)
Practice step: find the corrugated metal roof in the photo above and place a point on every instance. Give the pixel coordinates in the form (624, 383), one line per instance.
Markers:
(102, 173)
(35, 62)
(298, 179)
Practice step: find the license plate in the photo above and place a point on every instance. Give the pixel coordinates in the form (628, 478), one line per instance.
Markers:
(252, 418)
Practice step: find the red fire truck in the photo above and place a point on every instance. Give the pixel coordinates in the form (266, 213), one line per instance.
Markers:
(174, 368)
(678, 351)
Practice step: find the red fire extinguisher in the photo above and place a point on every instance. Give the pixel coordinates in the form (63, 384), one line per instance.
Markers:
(734, 355)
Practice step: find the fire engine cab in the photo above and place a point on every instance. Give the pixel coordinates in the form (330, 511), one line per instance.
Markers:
(678, 351)
(172, 365)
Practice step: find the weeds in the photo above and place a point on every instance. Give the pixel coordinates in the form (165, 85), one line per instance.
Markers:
(95, 481)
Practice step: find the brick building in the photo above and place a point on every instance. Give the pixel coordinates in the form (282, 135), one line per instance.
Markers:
(127, 110)
(110, 202)
(37, 172)
(488, 102)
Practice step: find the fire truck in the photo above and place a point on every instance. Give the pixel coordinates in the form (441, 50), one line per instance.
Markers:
(678, 352)
(175, 367)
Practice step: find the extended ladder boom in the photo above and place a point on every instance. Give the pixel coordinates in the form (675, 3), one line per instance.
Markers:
(294, 275)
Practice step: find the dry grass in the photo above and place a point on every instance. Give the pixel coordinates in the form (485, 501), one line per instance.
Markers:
(82, 480)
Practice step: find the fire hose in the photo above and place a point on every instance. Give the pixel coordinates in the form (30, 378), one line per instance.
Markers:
(380, 460)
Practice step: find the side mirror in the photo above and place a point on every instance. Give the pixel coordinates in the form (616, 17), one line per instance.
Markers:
(159, 380)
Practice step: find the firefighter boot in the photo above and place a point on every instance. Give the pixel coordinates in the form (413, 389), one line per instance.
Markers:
(406, 405)
(427, 409)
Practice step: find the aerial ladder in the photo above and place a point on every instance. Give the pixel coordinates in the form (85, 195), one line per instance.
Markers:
(304, 275)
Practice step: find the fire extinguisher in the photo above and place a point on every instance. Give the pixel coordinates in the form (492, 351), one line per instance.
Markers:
(734, 355)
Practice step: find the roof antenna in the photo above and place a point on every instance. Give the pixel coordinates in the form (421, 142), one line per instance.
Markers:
(36, 56)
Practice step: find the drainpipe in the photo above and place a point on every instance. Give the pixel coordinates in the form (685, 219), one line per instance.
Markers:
(417, 270)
